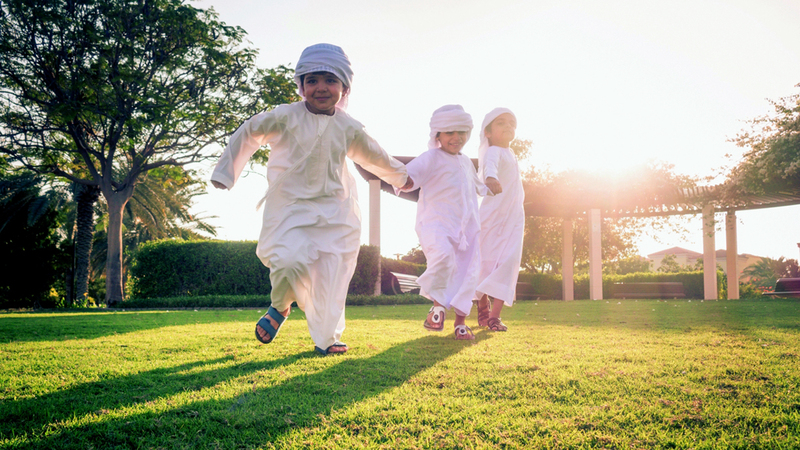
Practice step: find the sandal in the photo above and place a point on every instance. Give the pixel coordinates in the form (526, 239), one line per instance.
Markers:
(483, 313)
(328, 351)
(435, 319)
(464, 333)
(266, 325)
(495, 324)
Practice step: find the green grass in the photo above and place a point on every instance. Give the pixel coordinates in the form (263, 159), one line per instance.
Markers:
(585, 374)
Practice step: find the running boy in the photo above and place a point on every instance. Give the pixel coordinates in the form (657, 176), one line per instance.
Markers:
(447, 219)
(502, 218)
(312, 224)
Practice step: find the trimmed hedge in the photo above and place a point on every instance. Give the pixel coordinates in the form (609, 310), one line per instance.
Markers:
(549, 286)
(366, 274)
(172, 268)
(256, 301)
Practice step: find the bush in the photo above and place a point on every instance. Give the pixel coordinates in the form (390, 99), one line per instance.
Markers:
(366, 274)
(549, 286)
(172, 268)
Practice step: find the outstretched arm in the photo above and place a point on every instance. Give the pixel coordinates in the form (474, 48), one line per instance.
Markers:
(255, 132)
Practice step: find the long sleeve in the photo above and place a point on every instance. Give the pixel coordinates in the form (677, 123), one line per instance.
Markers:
(255, 132)
(365, 151)
(491, 162)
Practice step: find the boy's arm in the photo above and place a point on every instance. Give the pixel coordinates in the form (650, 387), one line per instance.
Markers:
(254, 133)
(365, 151)
(490, 163)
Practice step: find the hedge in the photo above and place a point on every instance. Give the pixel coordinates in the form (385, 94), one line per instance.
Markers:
(549, 286)
(173, 268)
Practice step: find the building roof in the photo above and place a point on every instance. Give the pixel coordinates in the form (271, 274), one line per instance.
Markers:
(675, 251)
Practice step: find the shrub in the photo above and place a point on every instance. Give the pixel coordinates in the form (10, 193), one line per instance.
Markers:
(366, 274)
(549, 286)
(171, 268)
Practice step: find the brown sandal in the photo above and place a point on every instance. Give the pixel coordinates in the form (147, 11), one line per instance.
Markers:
(464, 333)
(495, 324)
(483, 313)
(435, 319)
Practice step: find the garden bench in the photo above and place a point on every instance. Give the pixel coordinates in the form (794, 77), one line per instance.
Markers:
(403, 283)
(660, 289)
(525, 291)
(786, 287)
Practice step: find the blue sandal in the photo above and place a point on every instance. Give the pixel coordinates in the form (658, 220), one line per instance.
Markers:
(328, 350)
(264, 323)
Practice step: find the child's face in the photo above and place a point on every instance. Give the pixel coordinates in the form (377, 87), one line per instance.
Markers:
(452, 141)
(502, 130)
(323, 91)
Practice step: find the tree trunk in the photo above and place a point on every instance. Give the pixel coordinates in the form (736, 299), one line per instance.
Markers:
(86, 198)
(114, 287)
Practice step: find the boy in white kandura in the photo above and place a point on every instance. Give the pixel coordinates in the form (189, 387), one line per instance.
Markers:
(312, 224)
(502, 218)
(447, 219)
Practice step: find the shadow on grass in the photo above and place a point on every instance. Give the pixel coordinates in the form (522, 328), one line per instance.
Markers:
(59, 326)
(254, 418)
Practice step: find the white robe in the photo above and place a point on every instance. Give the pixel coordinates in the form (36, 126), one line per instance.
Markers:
(312, 223)
(502, 226)
(448, 227)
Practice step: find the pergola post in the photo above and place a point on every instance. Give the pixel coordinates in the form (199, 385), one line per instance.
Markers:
(595, 257)
(709, 255)
(375, 225)
(732, 255)
(567, 263)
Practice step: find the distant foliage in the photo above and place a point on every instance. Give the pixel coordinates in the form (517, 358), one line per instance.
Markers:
(31, 261)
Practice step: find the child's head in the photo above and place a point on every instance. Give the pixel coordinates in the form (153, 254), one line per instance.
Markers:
(450, 128)
(499, 128)
(319, 62)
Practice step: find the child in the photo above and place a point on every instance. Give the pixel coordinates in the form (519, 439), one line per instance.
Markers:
(312, 224)
(447, 219)
(502, 218)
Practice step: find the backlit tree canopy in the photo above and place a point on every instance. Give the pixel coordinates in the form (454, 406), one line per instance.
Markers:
(771, 161)
(99, 92)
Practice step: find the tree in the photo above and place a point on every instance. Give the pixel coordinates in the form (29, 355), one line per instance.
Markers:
(102, 91)
(158, 209)
(670, 265)
(415, 255)
(32, 259)
(771, 161)
(543, 242)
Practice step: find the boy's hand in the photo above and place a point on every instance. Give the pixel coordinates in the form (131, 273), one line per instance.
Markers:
(409, 184)
(494, 185)
(218, 185)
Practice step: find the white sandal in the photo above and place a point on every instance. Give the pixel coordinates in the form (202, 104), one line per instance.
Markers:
(464, 333)
(436, 315)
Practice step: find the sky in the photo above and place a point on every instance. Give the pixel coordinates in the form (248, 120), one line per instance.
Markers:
(595, 86)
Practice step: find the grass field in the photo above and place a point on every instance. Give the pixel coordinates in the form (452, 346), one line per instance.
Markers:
(585, 374)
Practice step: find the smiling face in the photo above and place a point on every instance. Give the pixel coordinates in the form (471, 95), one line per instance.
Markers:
(502, 130)
(322, 91)
(452, 141)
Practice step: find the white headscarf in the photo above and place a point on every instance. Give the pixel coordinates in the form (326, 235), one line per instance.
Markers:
(448, 118)
(493, 114)
(325, 58)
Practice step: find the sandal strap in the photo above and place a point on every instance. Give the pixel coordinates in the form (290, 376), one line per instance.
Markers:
(463, 329)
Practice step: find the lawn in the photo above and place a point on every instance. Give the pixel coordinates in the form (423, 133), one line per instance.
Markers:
(585, 374)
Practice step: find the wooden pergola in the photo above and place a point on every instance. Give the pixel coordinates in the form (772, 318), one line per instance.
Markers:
(621, 201)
